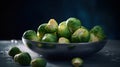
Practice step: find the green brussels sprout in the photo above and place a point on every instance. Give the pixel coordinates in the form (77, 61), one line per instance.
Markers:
(52, 26)
(93, 38)
(77, 62)
(63, 40)
(31, 35)
(41, 31)
(73, 24)
(80, 35)
(63, 30)
(97, 34)
(13, 51)
(38, 62)
(23, 58)
(48, 37)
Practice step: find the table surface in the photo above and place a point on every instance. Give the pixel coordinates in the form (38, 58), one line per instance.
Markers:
(109, 56)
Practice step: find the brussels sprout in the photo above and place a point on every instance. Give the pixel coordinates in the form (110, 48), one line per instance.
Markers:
(23, 58)
(93, 38)
(38, 62)
(80, 35)
(63, 30)
(13, 51)
(77, 62)
(52, 26)
(30, 35)
(63, 40)
(73, 24)
(49, 38)
(41, 31)
(97, 34)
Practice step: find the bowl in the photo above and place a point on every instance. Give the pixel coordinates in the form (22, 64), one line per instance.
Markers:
(64, 50)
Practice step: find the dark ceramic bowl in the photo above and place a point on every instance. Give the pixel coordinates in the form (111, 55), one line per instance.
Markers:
(64, 50)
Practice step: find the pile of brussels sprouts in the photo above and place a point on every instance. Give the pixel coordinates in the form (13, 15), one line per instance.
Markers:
(69, 31)
(25, 59)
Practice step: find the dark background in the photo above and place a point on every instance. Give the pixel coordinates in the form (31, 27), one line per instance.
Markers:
(18, 16)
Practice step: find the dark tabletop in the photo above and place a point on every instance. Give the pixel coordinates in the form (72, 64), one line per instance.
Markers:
(109, 56)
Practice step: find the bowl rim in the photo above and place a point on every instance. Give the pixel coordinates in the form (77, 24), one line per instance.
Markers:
(54, 43)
